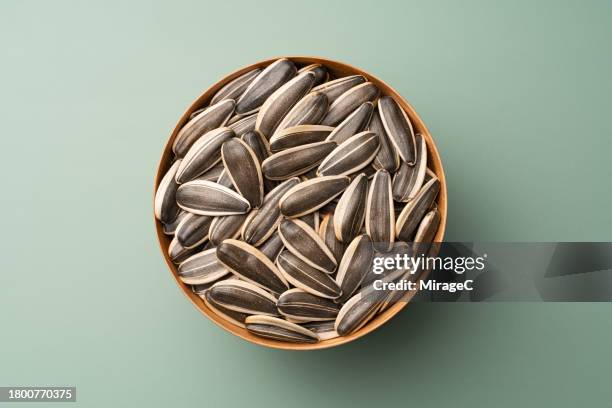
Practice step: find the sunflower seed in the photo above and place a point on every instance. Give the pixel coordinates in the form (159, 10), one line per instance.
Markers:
(429, 174)
(225, 227)
(178, 253)
(308, 111)
(235, 318)
(428, 227)
(303, 242)
(279, 329)
(354, 266)
(348, 102)
(409, 179)
(324, 330)
(225, 180)
(235, 87)
(197, 112)
(350, 211)
(310, 195)
(296, 160)
(326, 232)
(170, 229)
(358, 310)
(243, 124)
(264, 85)
(353, 124)
(398, 128)
(251, 265)
(203, 154)
(207, 198)
(304, 276)
(333, 89)
(166, 209)
(211, 118)
(387, 157)
(201, 288)
(244, 170)
(312, 220)
(260, 146)
(352, 155)
(262, 223)
(193, 230)
(201, 268)
(212, 174)
(321, 74)
(298, 135)
(300, 305)
(272, 247)
(380, 214)
(281, 101)
(243, 297)
(413, 212)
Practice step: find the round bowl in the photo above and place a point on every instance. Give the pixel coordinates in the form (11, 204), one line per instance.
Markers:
(336, 69)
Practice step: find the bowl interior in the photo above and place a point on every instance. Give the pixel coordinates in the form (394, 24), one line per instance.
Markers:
(336, 69)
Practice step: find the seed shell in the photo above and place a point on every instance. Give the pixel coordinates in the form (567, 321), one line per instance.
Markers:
(327, 234)
(298, 136)
(207, 198)
(321, 74)
(193, 230)
(428, 227)
(235, 87)
(170, 229)
(333, 89)
(324, 329)
(354, 266)
(264, 85)
(300, 305)
(235, 318)
(166, 209)
(272, 247)
(310, 195)
(244, 170)
(398, 128)
(244, 297)
(352, 155)
(211, 118)
(380, 213)
(409, 179)
(296, 160)
(348, 102)
(353, 124)
(225, 227)
(302, 241)
(178, 253)
(387, 157)
(349, 214)
(279, 329)
(305, 277)
(308, 111)
(203, 155)
(212, 174)
(358, 310)
(412, 214)
(201, 268)
(242, 124)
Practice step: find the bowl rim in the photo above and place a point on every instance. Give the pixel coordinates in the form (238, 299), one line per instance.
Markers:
(433, 160)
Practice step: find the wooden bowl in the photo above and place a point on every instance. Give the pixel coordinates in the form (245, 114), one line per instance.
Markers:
(336, 69)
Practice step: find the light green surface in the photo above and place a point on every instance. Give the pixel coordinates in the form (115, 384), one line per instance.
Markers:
(517, 95)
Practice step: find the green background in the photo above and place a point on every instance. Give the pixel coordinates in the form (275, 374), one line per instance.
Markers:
(516, 94)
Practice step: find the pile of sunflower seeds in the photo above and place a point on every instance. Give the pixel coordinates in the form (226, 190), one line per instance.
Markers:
(283, 190)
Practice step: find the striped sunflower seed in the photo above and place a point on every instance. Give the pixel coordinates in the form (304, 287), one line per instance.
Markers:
(387, 157)
(272, 247)
(333, 89)
(281, 101)
(303, 242)
(428, 227)
(350, 211)
(262, 223)
(398, 128)
(242, 124)
(353, 124)
(225, 227)
(225, 180)
(211, 118)
(303, 276)
(308, 196)
(264, 85)
(296, 160)
(321, 74)
(327, 234)
(251, 265)
(244, 297)
(413, 212)
(201, 268)
(203, 155)
(300, 305)
(298, 136)
(261, 147)
(348, 102)
(243, 168)
(324, 330)
(193, 230)
(166, 209)
(170, 228)
(207, 198)
(178, 253)
(352, 155)
(235, 87)
(312, 219)
(235, 318)
(212, 174)
(308, 111)
(358, 310)
(380, 213)
(354, 266)
(409, 179)
(279, 329)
